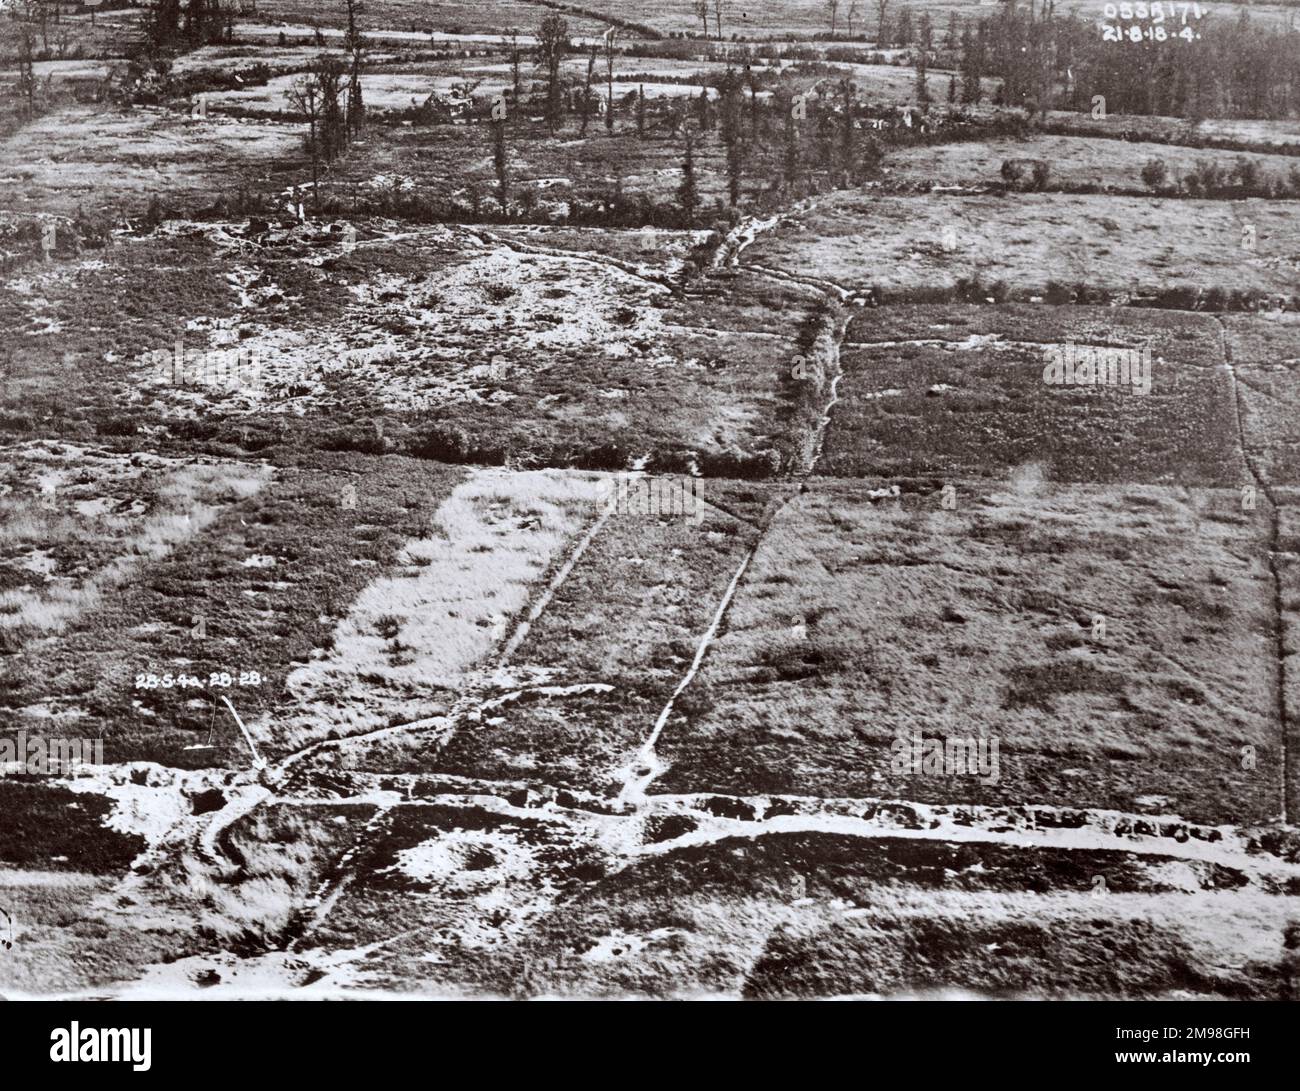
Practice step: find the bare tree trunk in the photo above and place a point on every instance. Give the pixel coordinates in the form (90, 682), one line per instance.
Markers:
(609, 84)
(586, 92)
(315, 174)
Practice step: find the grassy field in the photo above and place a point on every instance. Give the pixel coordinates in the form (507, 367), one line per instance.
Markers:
(815, 915)
(1026, 241)
(1265, 351)
(86, 157)
(1074, 161)
(255, 591)
(1276, 133)
(409, 332)
(442, 16)
(61, 941)
(610, 649)
(76, 520)
(859, 621)
(413, 637)
(960, 392)
(810, 915)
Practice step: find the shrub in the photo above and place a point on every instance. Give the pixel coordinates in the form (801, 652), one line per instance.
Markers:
(1246, 172)
(1154, 173)
(1057, 292)
(608, 456)
(730, 462)
(442, 443)
(356, 438)
(1207, 177)
(1247, 299)
(117, 425)
(971, 289)
(1023, 174)
(766, 463)
(1180, 298)
(673, 461)
(388, 625)
(154, 214)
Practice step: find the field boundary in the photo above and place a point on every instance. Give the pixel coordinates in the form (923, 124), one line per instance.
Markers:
(1289, 779)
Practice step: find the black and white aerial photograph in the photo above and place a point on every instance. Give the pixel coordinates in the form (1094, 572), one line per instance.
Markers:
(772, 500)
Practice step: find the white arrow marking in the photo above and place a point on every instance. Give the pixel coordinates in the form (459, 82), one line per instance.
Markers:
(259, 762)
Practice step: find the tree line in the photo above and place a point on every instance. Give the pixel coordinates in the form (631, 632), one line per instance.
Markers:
(1235, 69)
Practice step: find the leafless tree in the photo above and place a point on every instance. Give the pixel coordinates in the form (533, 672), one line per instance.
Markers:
(500, 164)
(751, 81)
(305, 98)
(881, 6)
(352, 42)
(688, 193)
(24, 15)
(853, 10)
(315, 97)
(674, 116)
(832, 9)
(512, 44)
(586, 91)
(552, 45)
(333, 129)
(202, 23)
(161, 24)
(609, 80)
(702, 10)
(719, 9)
